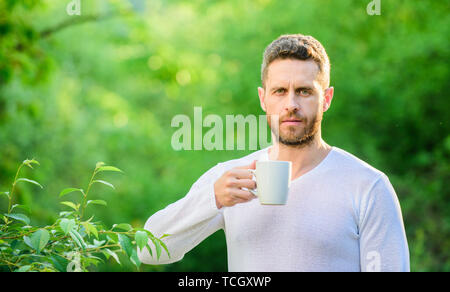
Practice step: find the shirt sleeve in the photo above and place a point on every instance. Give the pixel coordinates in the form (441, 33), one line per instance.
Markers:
(383, 243)
(188, 221)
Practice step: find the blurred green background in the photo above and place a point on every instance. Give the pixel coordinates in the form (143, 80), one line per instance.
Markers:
(104, 86)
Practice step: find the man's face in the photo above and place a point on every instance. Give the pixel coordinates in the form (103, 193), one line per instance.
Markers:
(293, 92)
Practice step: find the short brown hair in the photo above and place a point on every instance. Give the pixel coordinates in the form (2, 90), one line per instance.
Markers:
(300, 47)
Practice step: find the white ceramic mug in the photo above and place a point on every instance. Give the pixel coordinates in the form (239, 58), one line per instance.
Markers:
(273, 179)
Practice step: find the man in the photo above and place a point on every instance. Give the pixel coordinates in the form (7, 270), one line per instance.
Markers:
(341, 215)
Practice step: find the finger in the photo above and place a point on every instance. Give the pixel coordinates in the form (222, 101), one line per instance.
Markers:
(242, 173)
(245, 183)
(243, 195)
(238, 201)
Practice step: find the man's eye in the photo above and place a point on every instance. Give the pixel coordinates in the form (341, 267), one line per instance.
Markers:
(279, 90)
(304, 92)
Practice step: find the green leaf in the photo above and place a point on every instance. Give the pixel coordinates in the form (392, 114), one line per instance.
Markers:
(28, 162)
(112, 237)
(93, 230)
(157, 247)
(164, 246)
(67, 225)
(141, 239)
(65, 213)
(69, 190)
(126, 245)
(27, 241)
(123, 226)
(78, 239)
(38, 240)
(149, 249)
(108, 168)
(99, 243)
(90, 228)
(23, 269)
(26, 208)
(108, 252)
(29, 181)
(86, 227)
(15, 244)
(164, 235)
(59, 262)
(149, 234)
(5, 193)
(19, 217)
(104, 182)
(135, 259)
(92, 260)
(96, 202)
(71, 205)
(99, 164)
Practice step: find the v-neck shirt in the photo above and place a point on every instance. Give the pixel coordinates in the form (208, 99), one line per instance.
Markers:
(342, 215)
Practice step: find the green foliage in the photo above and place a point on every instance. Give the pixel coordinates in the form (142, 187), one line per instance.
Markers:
(78, 89)
(71, 243)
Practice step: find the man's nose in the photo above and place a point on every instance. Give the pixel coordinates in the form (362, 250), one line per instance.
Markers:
(292, 103)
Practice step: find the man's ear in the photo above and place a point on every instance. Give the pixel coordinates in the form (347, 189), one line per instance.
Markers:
(328, 96)
(261, 98)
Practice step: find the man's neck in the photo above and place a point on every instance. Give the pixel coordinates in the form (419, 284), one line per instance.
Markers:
(303, 158)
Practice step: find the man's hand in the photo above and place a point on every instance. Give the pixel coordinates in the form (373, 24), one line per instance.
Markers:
(228, 188)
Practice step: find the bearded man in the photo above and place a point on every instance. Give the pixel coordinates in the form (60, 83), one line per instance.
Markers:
(342, 214)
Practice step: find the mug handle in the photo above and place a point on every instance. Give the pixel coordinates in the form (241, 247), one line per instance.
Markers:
(253, 191)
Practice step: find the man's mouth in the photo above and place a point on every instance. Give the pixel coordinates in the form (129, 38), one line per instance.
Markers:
(291, 122)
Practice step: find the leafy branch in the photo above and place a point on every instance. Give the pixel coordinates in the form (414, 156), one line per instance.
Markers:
(71, 243)
(71, 22)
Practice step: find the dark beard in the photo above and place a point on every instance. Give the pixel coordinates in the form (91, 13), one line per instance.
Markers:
(304, 140)
(299, 141)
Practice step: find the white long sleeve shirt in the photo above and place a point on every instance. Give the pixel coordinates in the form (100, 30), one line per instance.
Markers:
(343, 215)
